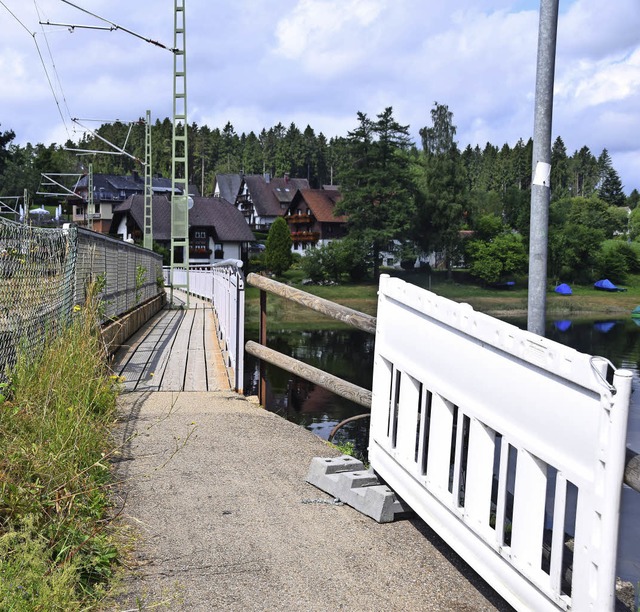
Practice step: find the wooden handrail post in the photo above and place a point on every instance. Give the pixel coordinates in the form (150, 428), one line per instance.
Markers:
(262, 338)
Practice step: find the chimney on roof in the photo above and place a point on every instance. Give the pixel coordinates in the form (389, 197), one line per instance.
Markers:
(136, 176)
(286, 177)
(267, 178)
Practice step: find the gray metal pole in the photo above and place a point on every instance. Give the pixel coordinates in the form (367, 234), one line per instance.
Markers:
(541, 170)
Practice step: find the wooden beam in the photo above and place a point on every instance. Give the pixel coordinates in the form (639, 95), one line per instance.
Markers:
(328, 381)
(632, 470)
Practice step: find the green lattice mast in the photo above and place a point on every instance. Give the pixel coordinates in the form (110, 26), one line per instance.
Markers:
(147, 242)
(180, 169)
(91, 207)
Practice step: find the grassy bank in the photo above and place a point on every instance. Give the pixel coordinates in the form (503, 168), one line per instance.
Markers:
(585, 300)
(56, 550)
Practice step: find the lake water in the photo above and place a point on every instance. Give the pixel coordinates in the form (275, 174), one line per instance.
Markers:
(349, 354)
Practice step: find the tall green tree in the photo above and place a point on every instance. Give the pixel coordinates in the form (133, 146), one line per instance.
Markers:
(611, 188)
(277, 255)
(443, 198)
(376, 183)
(560, 175)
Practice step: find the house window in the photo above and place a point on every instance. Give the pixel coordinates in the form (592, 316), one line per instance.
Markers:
(219, 253)
(201, 235)
(78, 210)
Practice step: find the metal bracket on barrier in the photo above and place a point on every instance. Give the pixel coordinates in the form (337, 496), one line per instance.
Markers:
(599, 373)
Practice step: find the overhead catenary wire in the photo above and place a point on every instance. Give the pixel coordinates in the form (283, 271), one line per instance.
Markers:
(115, 26)
(44, 66)
(53, 65)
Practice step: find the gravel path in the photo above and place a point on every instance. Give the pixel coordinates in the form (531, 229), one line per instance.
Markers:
(216, 496)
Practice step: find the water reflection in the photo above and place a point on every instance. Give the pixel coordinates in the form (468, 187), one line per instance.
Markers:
(344, 353)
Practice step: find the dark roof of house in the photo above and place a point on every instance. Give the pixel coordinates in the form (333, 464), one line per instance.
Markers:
(227, 221)
(229, 186)
(271, 199)
(114, 182)
(321, 202)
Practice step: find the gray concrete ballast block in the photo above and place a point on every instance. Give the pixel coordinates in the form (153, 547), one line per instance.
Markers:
(347, 480)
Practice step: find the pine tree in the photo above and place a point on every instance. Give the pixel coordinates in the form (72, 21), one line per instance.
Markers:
(611, 188)
(443, 194)
(377, 185)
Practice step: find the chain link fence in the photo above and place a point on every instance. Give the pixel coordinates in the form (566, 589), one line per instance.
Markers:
(44, 273)
(36, 284)
(127, 274)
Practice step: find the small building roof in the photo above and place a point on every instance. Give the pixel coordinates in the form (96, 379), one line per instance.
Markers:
(322, 202)
(227, 222)
(229, 186)
(272, 198)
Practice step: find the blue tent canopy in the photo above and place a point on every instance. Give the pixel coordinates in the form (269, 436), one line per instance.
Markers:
(605, 285)
(563, 289)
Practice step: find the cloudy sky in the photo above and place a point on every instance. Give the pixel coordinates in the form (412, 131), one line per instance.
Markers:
(318, 62)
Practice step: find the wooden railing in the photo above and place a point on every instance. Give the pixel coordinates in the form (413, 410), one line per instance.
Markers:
(347, 315)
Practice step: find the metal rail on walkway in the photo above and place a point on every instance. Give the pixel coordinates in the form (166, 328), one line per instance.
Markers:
(222, 284)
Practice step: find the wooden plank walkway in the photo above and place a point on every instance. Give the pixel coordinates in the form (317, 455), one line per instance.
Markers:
(177, 350)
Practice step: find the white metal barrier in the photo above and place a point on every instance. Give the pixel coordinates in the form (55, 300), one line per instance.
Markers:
(223, 285)
(510, 446)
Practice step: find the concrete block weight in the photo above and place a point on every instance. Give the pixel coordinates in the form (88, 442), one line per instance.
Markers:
(346, 479)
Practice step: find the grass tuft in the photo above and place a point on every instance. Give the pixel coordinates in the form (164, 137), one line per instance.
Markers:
(56, 549)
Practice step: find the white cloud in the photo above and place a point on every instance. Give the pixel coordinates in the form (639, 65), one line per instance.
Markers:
(328, 36)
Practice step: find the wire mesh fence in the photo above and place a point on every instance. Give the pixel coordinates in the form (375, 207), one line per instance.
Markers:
(44, 273)
(36, 284)
(127, 274)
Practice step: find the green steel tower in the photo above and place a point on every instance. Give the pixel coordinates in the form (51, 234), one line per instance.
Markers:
(91, 207)
(147, 242)
(179, 163)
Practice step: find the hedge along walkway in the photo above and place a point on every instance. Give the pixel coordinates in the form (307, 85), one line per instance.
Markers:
(214, 492)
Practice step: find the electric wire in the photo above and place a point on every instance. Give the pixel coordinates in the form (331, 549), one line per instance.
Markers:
(33, 36)
(115, 26)
(53, 64)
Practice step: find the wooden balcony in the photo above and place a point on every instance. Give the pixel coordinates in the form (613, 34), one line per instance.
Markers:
(305, 236)
(299, 219)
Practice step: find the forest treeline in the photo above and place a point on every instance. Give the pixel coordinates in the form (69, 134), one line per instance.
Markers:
(400, 194)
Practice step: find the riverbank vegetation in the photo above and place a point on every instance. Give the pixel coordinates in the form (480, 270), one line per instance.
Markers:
(56, 548)
(502, 303)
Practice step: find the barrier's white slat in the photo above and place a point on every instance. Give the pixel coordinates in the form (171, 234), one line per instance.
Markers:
(408, 419)
(440, 445)
(557, 542)
(528, 512)
(477, 500)
(501, 504)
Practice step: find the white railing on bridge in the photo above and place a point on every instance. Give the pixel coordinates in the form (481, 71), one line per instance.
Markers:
(510, 446)
(223, 285)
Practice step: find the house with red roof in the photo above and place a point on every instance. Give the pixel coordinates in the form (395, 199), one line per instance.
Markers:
(311, 218)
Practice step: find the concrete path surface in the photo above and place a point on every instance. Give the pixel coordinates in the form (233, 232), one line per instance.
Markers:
(214, 490)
